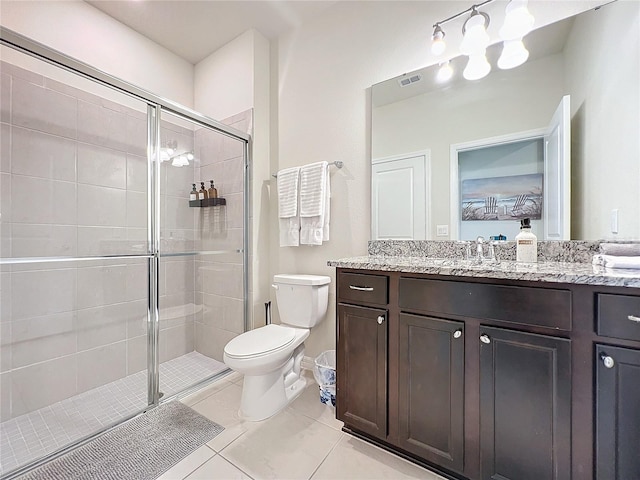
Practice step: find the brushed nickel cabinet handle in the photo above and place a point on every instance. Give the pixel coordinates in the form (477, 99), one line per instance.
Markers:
(633, 318)
(361, 289)
(457, 333)
(485, 338)
(607, 360)
(380, 319)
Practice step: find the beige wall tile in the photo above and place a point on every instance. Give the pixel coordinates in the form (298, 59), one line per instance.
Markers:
(5, 347)
(235, 210)
(137, 134)
(38, 200)
(103, 126)
(5, 297)
(210, 341)
(178, 340)
(32, 105)
(136, 209)
(102, 206)
(103, 241)
(107, 324)
(101, 365)
(44, 240)
(44, 338)
(5, 96)
(136, 354)
(43, 155)
(5, 147)
(179, 276)
(6, 213)
(42, 292)
(136, 173)
(42, 384)
(101, 166)
(5, 396)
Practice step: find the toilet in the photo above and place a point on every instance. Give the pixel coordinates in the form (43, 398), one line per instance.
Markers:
(270, 356)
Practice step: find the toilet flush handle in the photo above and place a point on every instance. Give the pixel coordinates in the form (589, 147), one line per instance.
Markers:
(275, 286)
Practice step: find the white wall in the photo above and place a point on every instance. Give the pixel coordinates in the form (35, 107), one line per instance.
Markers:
(325, 71)
(83, 32)
(605, 139)
(223, 82)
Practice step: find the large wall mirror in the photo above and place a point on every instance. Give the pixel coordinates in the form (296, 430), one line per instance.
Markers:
(439, 148)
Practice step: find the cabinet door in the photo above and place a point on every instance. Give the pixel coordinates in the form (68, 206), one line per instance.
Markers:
(431, 389)
(361, 399)
(525, 406)
(617, 413)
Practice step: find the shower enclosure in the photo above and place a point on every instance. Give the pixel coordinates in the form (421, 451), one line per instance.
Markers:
(117, 291)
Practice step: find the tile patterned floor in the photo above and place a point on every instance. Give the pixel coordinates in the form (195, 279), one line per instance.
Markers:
(302, 442)
(31, 436)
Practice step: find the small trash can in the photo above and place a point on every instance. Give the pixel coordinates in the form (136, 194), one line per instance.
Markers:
(324, 372)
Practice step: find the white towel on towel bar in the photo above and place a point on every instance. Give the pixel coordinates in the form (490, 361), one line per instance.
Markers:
(315, 191)
(288, 213)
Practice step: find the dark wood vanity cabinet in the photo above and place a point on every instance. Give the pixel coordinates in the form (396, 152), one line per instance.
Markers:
(617, 413)
(362, 364)
(431, 389)
(492, 379)
(525, 406)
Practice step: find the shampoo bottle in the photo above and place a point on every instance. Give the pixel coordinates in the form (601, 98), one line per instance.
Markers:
(526, 243)
(202, 193)
(193, 195)
(213, 191)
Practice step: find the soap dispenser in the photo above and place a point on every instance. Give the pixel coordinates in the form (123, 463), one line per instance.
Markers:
(202, 193)
(193, 195)
(526, 243)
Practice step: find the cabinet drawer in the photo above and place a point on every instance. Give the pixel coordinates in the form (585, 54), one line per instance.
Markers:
(545, 307)
(363, 288)
(618, 316)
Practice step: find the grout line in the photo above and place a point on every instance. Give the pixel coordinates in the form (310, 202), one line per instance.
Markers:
(342, 434)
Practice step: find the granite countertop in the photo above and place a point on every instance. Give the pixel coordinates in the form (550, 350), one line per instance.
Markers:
(547, 271)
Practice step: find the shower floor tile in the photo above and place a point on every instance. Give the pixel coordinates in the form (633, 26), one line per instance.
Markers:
(38, 433)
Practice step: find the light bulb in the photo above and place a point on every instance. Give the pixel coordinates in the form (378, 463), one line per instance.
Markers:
(176, 162)
(517, 21)
(164, 156)
(477, 67)
(438, 44)
(183, 160)
(475, 39)
(170, 151)
(513, 54)
(445, 72)
(190, 156)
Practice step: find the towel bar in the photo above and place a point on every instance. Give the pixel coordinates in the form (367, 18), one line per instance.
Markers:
(338, 163)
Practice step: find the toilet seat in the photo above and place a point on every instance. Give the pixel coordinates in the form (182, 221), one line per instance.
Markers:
(260, 341)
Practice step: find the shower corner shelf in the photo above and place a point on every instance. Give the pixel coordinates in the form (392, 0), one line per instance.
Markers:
(209, 202)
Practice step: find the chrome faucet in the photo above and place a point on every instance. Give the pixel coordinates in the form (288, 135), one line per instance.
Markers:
(479, 252)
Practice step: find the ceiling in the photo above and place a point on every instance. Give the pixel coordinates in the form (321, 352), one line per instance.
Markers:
(193, 29)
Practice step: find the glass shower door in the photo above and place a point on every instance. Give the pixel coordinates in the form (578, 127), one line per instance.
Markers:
(202, 279)
(74, 260)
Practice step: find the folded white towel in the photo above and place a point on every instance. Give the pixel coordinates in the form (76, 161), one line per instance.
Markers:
(288, 182)
(314, 203)
(620, 249)
(288, 211)
(611, 261)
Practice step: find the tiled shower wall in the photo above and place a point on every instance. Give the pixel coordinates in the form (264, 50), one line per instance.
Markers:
(74, 183)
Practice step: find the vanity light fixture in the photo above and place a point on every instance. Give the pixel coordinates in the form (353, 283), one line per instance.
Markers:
(517, 21)
(477, 67)
(182, 159)
(437, 41)
(513, 54)
(445, 72)
(475, 38)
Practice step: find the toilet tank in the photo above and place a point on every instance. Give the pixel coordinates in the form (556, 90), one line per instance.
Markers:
(302, 299)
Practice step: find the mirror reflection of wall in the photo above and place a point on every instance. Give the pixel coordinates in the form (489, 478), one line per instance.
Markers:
(595, 58)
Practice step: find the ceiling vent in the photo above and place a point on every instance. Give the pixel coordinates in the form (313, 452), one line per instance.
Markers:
(405, 81)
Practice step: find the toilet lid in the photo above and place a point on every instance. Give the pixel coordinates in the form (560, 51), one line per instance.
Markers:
(260, 341)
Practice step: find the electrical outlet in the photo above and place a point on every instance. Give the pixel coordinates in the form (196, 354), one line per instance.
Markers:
(442, 230)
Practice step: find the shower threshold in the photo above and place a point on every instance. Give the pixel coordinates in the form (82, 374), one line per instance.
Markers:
(36, 434)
